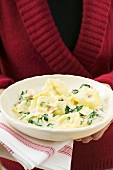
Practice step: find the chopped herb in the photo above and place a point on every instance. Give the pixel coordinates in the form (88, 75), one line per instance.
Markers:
(54, 115)
(45, 117)
(27, 113)
(60, 100)
(75, 91)
(21, 95)
(37, 124)
(50, 124)
(21, 98)
(48, 106)
(40, 118)
(22, 117)
(27, 99)
(81, 122)
(92, 116)
(87, 85)
(89, 121)
(78, 108)
(102, 109)
(30, 121)
(33, 122)
(68, 118)
(81, 114)
(68, 110)
(20, 112)
(42, 104)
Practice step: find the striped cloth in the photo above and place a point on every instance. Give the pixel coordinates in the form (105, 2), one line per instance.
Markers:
(30, 152)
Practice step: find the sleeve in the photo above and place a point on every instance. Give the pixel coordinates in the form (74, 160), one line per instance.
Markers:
(4, 80)
(106, 78)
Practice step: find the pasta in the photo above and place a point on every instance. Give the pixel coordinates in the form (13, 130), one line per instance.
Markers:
(58, 107)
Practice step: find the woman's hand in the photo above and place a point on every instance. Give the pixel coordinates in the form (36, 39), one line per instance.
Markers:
(95, 136)
(1, 90)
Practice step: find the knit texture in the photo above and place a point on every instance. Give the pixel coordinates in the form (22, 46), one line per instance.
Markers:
(43, 34)
(33, 46)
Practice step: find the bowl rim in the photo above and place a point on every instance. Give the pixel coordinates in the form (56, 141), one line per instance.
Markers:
(22, 124)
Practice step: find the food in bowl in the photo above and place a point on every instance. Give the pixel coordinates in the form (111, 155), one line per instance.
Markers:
(58, 107)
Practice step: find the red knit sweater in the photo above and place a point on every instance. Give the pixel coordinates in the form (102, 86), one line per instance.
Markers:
(31, 45)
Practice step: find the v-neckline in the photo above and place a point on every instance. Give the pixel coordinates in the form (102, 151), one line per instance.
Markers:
(44, 35)
(67, 16)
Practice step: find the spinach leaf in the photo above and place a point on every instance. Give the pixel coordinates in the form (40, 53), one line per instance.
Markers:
(87, 85)
(75, 91)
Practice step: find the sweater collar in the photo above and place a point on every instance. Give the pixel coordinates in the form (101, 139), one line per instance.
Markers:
(43, 33)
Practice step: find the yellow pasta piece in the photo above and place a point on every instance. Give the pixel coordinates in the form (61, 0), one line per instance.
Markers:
(32, 106)
(56, 105)
(88, 97)
(56, 85)
(15, 109)
(35, 97)
(60, 107)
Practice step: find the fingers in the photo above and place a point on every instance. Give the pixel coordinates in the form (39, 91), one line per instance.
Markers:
(86, 139)
(95, 136)
(1, 90)
(99, 134)
(78, 140)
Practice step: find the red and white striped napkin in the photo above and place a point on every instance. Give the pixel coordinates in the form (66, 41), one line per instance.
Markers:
(30, 152)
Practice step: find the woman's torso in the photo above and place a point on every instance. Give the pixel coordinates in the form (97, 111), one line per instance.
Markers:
(24, 56)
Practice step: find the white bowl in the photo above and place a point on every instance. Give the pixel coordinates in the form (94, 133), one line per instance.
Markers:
(11, 94)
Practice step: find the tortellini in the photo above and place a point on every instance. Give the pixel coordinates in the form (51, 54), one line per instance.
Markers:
(88, 97)
(56, 106)
(57, 86)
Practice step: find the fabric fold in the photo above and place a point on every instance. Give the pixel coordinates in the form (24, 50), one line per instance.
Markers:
(31, 152)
